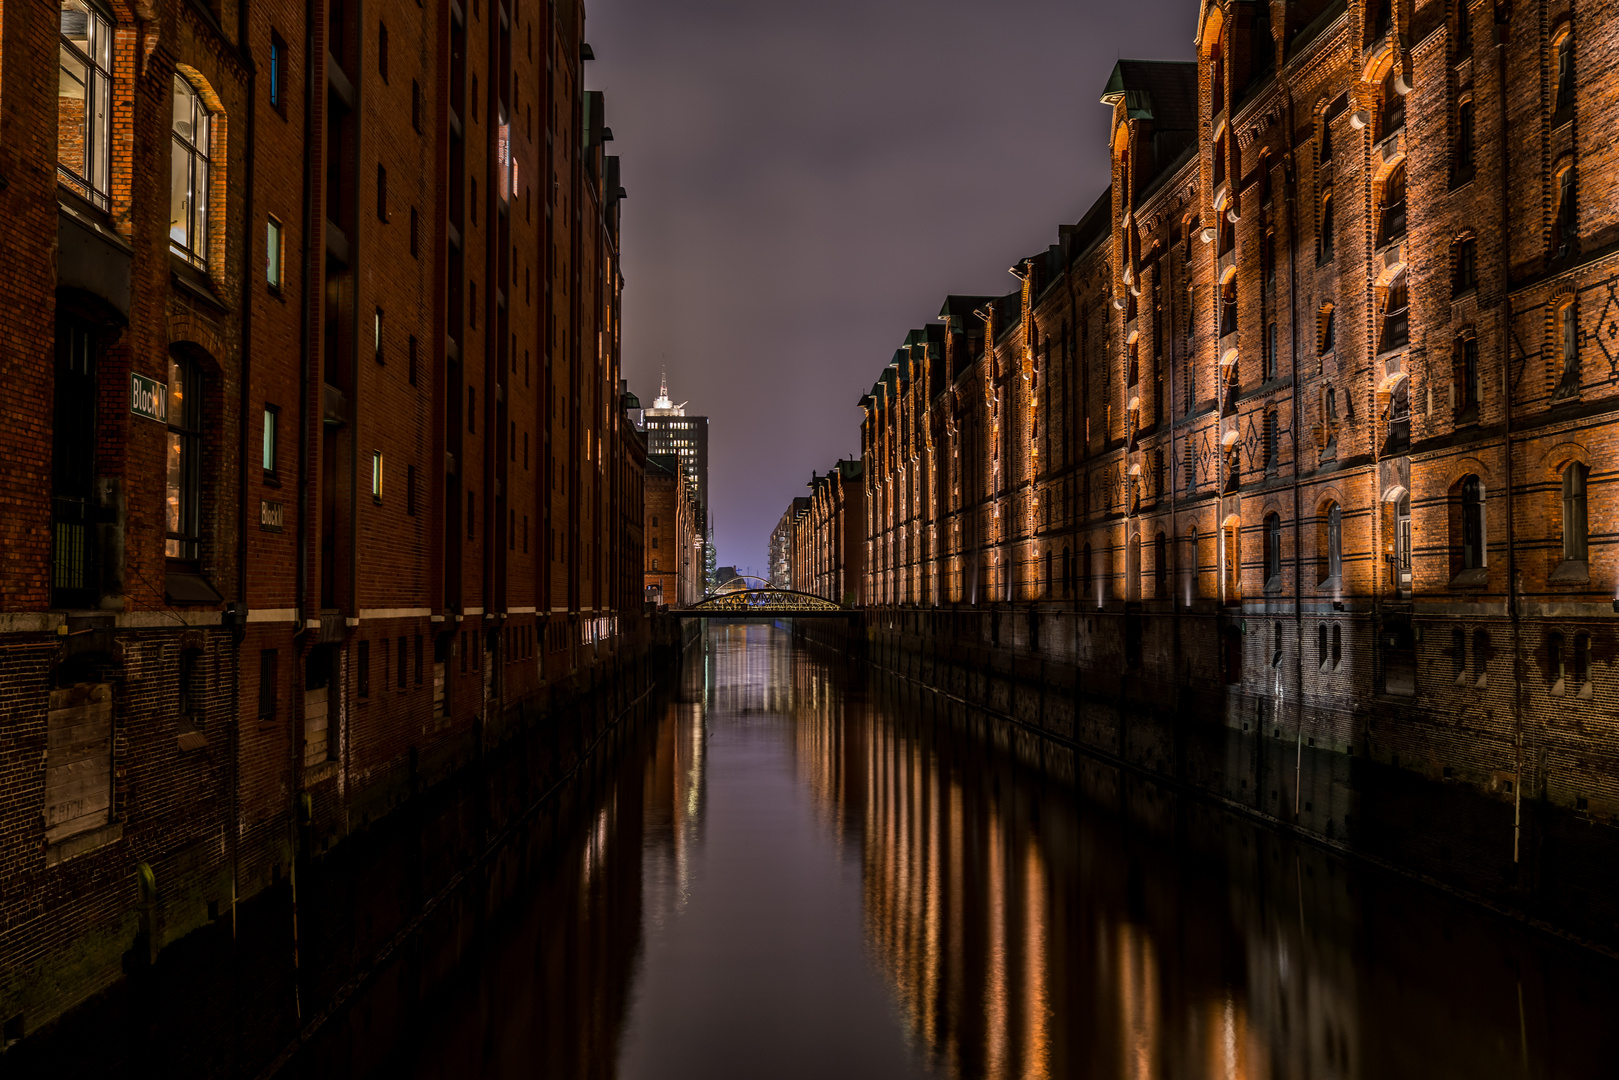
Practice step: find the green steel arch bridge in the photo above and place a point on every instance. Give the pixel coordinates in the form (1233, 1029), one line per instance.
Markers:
(767, 602)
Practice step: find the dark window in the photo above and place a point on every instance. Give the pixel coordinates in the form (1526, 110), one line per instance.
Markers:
(1160, 566)
(1464, 29)
(1337, 644)
(1396, 316)
(1575, 536)
(1324, 234)
(1399, 417)
(1276, 645)
(399, 663)
(1271, 449)
(1391, 225)
(1481, 652)
(1321, 645)
(1554, 657)
(75, 574)
(1563, 224)
(84, 101)
(1273, 548)
(1569, 348)
(1582, 658)
(1472, 499)
(1465, 274)
(1335, 541)
(278, 60)
(192, 690)
(1392, 107)
(267, 685)
(1271, 360)
(382, 193)
(1326, 139)
(1467, 374)
(1565, 72)
(416, 105)
(1329, 330)
(183, 500)
(1464, 136)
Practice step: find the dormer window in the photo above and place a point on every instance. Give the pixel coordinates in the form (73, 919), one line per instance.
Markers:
(84, 101)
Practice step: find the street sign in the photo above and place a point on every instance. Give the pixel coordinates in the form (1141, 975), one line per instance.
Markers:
(148, 398)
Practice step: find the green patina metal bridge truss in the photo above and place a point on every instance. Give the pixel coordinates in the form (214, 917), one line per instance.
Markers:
(764, 603)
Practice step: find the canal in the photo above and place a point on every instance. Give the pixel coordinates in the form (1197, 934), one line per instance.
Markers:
(793, 869)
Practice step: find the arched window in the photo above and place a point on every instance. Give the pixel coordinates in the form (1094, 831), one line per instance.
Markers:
(1471, 495)
(1396, 315)
(1462, 158)
(1337, 644)
(1329, 330)
(1563, 223)
(1324, 139)
(189, 166)
(1565, 70)
(1321, 645)
(1554, 660)
(1228, 306)
(183, 497)
(1324, 233)
(1464, 265)
(84, 101)
(1233, 561)
(1132, 569)
(1575, 535)
(1568, 347)
(1391, 222)
(1582, 659)
(1276, 645)
(1160, 566)
(1399, 417)
(1392, 106)
(1465, 353)
(1332, 544)
(1273, 550)
(1192, 563)
(1217, 74)
(1481, 652)
(1219, 161)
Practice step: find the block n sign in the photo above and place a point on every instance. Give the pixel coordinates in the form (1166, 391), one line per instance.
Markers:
(149, 399)
(270, 516)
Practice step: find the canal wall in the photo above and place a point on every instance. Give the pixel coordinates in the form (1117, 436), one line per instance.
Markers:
(263, 978)
(1379, 781)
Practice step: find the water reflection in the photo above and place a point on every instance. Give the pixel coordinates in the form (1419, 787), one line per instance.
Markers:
(792, 874)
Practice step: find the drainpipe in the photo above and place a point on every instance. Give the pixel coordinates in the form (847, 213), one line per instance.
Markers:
(242, 458)
(1502, 34)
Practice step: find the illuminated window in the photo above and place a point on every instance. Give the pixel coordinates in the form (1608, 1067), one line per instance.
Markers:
(376, 476)
(272, 254)
(189, 175)
(84, 101)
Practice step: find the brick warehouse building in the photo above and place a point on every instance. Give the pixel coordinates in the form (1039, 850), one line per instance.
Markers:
(1300, 428)
(673, 572)
(828, 540)
(318, 495)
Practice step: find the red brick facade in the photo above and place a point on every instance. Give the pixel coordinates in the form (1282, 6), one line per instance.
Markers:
(673, 573)
(1306, 419)
(222, 645)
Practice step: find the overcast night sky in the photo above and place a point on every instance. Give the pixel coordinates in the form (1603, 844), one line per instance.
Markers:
(808, 180)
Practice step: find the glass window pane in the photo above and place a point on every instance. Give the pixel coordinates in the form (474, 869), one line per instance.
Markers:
(199, 202)
(272, 254)
(173, 517)
(182, 109)
(269, 440)
(177, 375)
(72, 128)
(179, 195)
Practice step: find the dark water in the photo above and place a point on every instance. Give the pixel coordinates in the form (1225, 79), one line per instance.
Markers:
(789, 874)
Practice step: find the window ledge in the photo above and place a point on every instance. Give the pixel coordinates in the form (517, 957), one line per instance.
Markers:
(1475, 578)
(1571, 572)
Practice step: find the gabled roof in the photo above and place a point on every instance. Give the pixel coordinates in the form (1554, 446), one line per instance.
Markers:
(1163, 91)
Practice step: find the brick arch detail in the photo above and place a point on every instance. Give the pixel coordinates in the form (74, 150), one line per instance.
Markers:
(1554, 460)
(1467, 466)
(186, 328)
